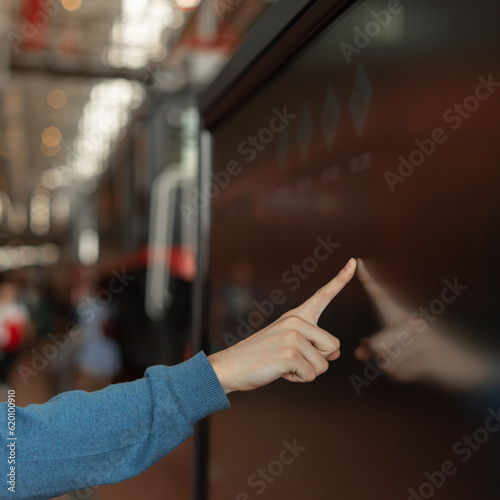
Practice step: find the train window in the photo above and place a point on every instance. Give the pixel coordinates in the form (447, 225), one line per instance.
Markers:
(376, 139)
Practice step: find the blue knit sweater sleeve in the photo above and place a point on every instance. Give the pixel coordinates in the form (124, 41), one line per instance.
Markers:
(79, 439)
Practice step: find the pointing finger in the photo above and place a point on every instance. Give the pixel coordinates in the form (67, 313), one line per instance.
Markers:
(312, 308)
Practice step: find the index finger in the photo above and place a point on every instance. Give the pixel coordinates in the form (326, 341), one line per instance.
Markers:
(312, 308)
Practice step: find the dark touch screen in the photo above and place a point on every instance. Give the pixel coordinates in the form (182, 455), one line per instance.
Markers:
(380, 140)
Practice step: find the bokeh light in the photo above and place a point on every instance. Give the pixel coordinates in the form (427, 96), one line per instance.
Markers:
(49, 151)
(57, 98)
(51, 137)
(187, 4)
(71, 5)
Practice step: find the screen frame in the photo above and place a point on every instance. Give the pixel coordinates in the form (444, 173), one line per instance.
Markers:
(284, 29)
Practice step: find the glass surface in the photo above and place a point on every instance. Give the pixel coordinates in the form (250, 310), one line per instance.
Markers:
(380, 141)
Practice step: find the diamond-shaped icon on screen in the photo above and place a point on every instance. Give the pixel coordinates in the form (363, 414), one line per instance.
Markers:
(330, 118)
(304, 132)
(360, 100)
(282, 147)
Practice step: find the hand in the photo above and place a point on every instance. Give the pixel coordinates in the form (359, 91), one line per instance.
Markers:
(293, 347)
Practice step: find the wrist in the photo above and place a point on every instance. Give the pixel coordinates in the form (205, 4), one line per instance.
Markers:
(220, 372)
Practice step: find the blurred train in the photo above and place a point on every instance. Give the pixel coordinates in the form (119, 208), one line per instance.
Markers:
(340, 128)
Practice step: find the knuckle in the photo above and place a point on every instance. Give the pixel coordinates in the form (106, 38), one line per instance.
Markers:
(335, 344)
(290, 353)
(293, 336)
(342, 280)
(321, 292)
(292, 321)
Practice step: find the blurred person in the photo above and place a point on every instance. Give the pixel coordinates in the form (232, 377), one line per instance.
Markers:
(98, 358)
(14, 329)
(43, 307)
(78, 440)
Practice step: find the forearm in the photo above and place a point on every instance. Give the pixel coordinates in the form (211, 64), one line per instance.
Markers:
(78, 439)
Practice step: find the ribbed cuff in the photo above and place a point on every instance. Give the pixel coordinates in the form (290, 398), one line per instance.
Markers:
(198, 388)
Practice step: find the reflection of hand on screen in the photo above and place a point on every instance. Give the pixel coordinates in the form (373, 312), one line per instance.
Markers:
(293, 347)
(409, 349)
